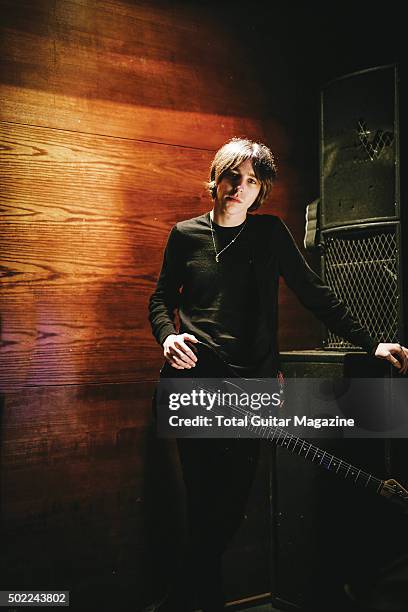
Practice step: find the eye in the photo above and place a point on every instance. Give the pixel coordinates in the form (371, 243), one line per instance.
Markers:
(253, 181)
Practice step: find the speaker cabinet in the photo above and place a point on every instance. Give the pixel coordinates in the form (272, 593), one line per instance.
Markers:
(360, 148)
(362, 222)
(362, 264)
(327, 532)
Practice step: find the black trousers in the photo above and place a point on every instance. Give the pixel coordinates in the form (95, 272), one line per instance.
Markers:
(218, 474)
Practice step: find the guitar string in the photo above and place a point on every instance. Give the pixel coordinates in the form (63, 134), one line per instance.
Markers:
(264, 429)
(351, 469)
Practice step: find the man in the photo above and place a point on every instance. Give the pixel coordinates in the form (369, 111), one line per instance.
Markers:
(221, 272)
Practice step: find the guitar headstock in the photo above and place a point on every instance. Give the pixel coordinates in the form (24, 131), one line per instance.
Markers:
(395, 492)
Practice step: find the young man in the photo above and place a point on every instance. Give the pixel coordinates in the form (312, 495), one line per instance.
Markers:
(221, 272)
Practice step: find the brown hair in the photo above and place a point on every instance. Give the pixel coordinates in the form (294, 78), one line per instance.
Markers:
(236, 151)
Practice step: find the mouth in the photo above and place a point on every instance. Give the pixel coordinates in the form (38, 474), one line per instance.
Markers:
(234, 199)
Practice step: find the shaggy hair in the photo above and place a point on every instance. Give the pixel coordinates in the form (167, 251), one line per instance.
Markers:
(236, 151)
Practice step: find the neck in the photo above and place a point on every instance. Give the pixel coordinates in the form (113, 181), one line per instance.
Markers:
(227, 219)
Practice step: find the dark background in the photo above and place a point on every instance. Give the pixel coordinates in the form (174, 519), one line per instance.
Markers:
(111, 112)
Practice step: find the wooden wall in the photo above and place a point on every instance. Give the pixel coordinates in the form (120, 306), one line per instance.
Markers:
(110, 114)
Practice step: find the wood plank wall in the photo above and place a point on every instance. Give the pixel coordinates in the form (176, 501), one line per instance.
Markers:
(110, 114)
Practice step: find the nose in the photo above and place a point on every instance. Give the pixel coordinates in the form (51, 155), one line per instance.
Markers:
(238, 185)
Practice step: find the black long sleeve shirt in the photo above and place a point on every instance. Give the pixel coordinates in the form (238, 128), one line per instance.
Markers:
(232, 305)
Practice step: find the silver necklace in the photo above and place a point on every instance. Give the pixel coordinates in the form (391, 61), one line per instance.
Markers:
(217, 255)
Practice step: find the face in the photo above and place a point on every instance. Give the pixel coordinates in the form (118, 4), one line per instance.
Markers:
(238, 189)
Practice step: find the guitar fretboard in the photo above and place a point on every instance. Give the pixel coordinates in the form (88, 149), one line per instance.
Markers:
(309, 451)
(313, 453)
(210, 365)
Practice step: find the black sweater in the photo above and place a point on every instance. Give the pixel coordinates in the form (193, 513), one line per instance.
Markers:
(272, 253)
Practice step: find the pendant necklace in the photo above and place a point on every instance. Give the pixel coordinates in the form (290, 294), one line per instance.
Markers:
(217, 255)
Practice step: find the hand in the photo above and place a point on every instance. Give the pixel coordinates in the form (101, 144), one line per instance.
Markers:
(178, 353)
(387, 351)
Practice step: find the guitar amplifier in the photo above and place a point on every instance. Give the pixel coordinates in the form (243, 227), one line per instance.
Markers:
(326, 532)
(363, 222)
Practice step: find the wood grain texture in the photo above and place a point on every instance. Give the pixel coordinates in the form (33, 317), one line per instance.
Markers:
(85, 223)
(165, 56)
(190, 129)
(159, 73)
(77, 486)
(110, 114)
(84, 478)
(298, 328)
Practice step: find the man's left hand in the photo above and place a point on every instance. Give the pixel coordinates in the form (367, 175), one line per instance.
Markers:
(395, 354)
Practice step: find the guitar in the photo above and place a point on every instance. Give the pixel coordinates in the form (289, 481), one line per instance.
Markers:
(211, 365)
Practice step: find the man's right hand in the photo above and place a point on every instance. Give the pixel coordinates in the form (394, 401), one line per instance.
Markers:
(178, 353)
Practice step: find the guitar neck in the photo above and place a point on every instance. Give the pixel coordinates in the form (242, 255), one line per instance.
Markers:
(309, 451)
(212, 366)
(390, 488)
(316, 455)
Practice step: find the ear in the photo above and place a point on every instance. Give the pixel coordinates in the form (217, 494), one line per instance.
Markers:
(213, 189)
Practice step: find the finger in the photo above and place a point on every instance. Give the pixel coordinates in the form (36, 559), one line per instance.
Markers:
(171, 359)
(393, 361)
(189, 337)
(401, 354)
(179, 351)
(175, 366)
(404, 356)
(181, 359)
(186, 350)
(180, 362)
(175, 362)
(172, 363)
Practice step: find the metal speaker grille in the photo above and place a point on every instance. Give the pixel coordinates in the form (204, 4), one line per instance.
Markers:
(363, 273)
